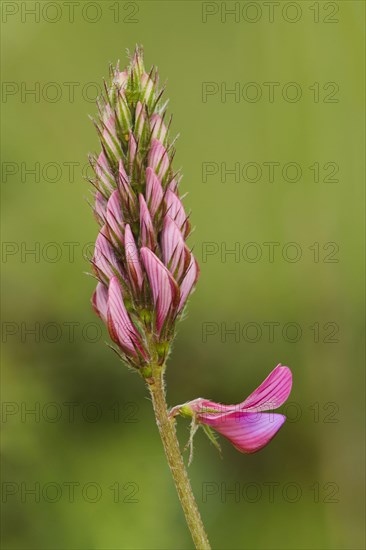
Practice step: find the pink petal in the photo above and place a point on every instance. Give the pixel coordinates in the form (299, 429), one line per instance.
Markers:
(158, 158)
(99, 301)
(121, 79)
(248, 432)
(159, 130)
(132, 259)
(104, 258)
(100, 206)
(146, 225)
(114, 217)
(173, 186)
(176, 255)
(188, 282)
(121, 329)
(154, 191)
(164, 289)
(272, 393)
(175, 209)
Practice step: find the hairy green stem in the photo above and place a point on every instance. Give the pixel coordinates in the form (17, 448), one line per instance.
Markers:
(169, 439)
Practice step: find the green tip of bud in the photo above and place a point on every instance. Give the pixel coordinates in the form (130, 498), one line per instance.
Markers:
(162, 349)
(145, 316)
(186, 411)
(137, 62)
(146, 372)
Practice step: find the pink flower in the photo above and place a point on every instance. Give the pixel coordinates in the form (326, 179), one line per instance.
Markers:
(120, 326)
(154, 191)
(176, 254)
(158, 158)
(246, 425)
(114, 218)
(189, 281)
(159, 130)
(164, 288)
(134, 268)
(104, 260)
(99, 301)
(175, 209)
(121, 79)
(146, 225)
(100, 207)
(125, 187)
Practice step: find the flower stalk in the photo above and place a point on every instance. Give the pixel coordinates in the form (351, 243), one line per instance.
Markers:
(166, 425)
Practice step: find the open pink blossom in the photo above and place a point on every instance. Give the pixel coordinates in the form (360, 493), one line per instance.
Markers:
(246, 425)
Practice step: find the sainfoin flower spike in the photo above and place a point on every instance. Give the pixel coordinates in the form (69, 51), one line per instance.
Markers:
(146, 271)
(246, 425)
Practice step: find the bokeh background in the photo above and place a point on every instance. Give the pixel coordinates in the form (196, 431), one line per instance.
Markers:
(90, 452)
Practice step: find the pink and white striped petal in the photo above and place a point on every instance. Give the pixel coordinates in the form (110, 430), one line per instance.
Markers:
(154, 191)
(114, 218)
(99, 301)
(158, 159)
(121, 79)
(146, 225)
(248, 432)
(120, 326)
(164, 289)
(100, 207)
(159, 130)
(175, 209)
(104, 259)
(173, 186)
(176, 255)
(188, 282)
(132, 259)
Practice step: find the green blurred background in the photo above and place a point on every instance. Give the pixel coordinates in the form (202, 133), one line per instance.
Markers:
(303, 491)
